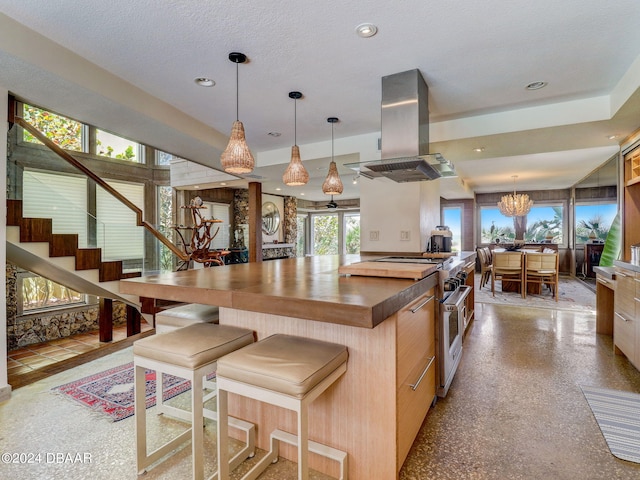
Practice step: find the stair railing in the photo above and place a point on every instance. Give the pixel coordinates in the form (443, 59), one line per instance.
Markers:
(14, 118)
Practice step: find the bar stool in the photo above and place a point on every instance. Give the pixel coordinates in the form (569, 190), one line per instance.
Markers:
(286, 371)
(185, 315)
(191, 353)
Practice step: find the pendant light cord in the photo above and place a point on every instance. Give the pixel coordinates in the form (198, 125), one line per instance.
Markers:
(332, 142)
(237, 94)
(295, 121)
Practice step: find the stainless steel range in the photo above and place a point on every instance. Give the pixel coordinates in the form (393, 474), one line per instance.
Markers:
(451, 327)
(452, 293)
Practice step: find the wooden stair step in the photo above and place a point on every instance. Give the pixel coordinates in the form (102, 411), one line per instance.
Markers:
(14, 212)
(110, 271)
(36, 230)
(63, 245)
(88, 258)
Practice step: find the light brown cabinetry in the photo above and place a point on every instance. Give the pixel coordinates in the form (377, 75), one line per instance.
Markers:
(416, 369)
(626, 318)
(605, 298)
(631, 202)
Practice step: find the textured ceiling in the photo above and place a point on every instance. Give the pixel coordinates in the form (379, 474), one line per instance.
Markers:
(476, 57)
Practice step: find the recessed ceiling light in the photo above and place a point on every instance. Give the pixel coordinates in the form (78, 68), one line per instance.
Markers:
(223, 183)
(274, 134)
(366, 30)
(204, 81)
(278, 189)
(196, 187)
(612, 137)
(536, 85)
(302, 194)
(478, 149)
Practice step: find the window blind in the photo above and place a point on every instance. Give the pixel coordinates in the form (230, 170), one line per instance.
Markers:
(221, 212)
(61, 197)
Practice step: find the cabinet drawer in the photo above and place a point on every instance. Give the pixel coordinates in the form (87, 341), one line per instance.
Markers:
(415, 335)
(413, 405)
(624, 333)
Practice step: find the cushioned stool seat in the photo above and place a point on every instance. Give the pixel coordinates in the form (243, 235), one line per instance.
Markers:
(190, 352)
(286, 371)
(185, 315)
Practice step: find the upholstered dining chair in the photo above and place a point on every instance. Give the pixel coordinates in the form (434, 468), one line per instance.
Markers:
(484, 257)
(542, 268)
(507, 266)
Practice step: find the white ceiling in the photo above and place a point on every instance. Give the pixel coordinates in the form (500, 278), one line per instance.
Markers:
(476, 57)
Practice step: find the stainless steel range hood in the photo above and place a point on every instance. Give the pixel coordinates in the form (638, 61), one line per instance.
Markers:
(405, 133)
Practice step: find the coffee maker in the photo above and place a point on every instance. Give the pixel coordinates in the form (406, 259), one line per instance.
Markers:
(440, 241)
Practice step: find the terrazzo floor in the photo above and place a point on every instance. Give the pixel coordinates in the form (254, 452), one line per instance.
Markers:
(514, 411)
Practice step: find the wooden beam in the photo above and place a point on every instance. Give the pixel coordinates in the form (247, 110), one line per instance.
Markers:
(255, 222)
(133, 321)
(105, 319)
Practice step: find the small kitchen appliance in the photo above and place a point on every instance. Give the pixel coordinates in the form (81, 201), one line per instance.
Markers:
(440, 240)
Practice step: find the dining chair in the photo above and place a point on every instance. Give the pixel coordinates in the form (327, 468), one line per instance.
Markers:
(507, 266)
(484, 257)
(542, 269)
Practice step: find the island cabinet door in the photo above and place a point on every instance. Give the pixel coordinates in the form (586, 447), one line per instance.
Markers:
(624, 318)
(416, 369)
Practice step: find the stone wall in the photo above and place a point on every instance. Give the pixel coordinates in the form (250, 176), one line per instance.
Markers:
(53, 324)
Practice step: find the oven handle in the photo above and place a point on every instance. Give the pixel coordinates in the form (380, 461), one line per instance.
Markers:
(414, 310)
(415, 386)
(466, 290)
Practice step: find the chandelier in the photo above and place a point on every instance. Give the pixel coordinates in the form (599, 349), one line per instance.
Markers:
(516, 204)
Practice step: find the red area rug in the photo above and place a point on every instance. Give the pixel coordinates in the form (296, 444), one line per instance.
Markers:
(111, 392)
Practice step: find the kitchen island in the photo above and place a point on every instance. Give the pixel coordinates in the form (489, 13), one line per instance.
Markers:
(375, 410)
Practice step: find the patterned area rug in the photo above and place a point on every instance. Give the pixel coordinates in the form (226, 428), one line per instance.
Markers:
(618, 416)
(572, 295)
(111, 392)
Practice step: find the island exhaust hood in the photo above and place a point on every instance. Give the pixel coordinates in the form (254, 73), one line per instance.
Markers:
(405, 133)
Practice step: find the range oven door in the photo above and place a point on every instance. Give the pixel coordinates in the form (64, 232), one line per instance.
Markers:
(452, 315)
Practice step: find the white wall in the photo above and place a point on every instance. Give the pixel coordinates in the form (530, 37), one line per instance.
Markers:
(400, 215)
(5, 388)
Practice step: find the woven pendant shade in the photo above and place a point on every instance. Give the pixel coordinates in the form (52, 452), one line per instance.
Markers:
(237, 157)
(332, 184)
(295, 174)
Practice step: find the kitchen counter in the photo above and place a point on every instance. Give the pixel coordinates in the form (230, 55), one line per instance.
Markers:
(375, 410)
(307, 288)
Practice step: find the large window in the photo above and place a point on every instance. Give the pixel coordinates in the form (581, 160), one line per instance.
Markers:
(544, 223)
(593, 220)
(165, 220)
(452, 218)
(324, 233)
(39, 293)
(63, 198)
(352, 233)
(301, 239)
(63, 131)
(117, 232)
(113, 146)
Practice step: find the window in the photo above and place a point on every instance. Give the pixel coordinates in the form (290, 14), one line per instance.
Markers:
(165, 220)
(301, 221)
(113, 146)
(352, 233)
(543, 223)
(218, 211)
(117, 232)
(325, 234)
(164, 158)
(593, 220)
(39, 293)
(63, 131)
(63, 198)
(452, 218)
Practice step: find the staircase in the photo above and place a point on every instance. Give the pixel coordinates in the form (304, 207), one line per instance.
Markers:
(32, 246)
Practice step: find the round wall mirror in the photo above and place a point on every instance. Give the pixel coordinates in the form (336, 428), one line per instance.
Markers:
(270, 218)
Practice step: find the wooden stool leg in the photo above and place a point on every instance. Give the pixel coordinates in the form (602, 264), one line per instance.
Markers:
(140, 414)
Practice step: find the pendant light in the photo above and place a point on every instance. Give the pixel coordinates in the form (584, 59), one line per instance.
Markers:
(237, 157)
(332, 184)
(295, 174)
(516, 204)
